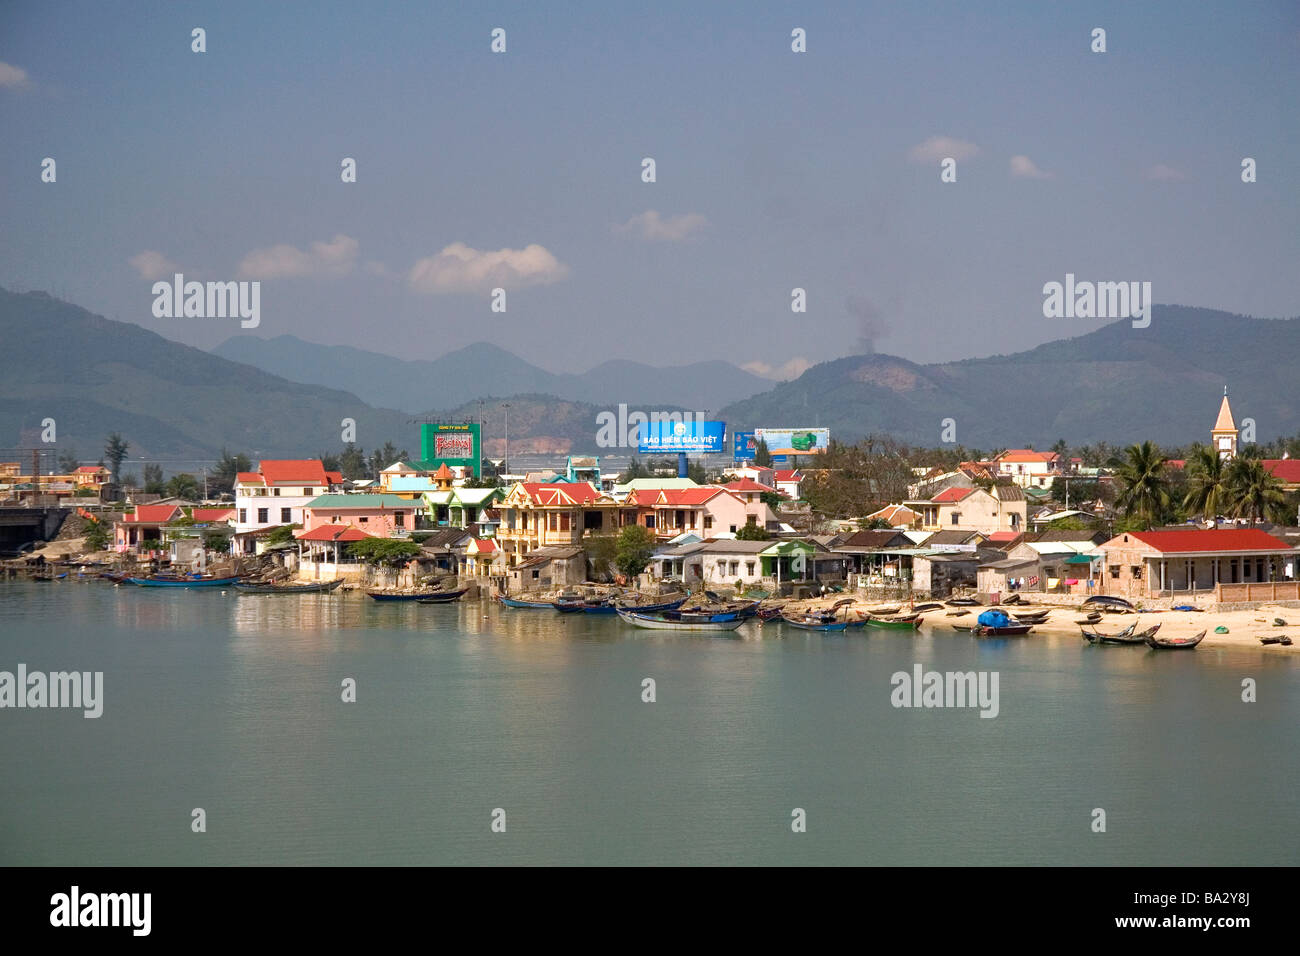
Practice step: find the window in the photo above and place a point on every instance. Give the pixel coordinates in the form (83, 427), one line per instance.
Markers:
(364, 520)
(1114, 571)
(1136, 571)
(956, 517)
(564, 521)
(735, 567)
(733, 529)
(243, 516)
(306, 492)
(399, 520)
(708, 522)
(275, 492)
(749, 568)
(286, 515)
(262, 516)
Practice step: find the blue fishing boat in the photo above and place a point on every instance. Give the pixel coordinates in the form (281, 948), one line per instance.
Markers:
(815, 622)
(518, 603)
(183, 582)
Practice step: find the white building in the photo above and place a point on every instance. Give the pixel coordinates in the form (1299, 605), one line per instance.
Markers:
(275, 495)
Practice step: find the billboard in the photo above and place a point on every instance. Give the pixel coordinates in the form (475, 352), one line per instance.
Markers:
(794, 441)
(744, 446)
(670, 437)
(451, 443)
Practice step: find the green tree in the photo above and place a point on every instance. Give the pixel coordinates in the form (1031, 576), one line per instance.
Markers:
(228, 467)
(1208, 492)
(873, 524)
(385, 456)
(1255, 492)
(635, 548)
(153, 479)
(330, 462)
(383, 550)
(762, 457)
(750, 531)
(772, 499)
(115, 450)
(695, 471)
(68, 462)
(216, 540)
(633, 470)
(282, 534)
(96, 536)
(1145, 488)
(183, 486)
(602, 552)
(352, 462)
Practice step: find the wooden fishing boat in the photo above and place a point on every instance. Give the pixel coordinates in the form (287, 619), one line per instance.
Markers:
(677, 621)
(929, 606)
(1108, 604)
(660, 606)
(444, 597)
(1276, 639)
(381, 594)
(1007, 630)
(963, 602)
(903, 622)
(306, 587)
(1175, 643)
(815, 622)
(1032, 617)
(159, 581)
(520, 603)
(1123, 637)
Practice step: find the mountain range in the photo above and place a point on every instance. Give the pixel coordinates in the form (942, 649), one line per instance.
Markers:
(483, 369)
(94, 376)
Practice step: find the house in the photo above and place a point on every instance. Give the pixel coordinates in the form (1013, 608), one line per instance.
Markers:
(795, 559)
(999, 508)
(465, 505)
(789, 482)
(681, 560)
(378, 515)
(1158, 563)
(937, 574)
(91, 476)
(880, 554)
(1285, 470)
(896, 516)
(275, 495)
(751, 493)
(951, 540)
(757, 473)
(556, 514)
(143, 524)
(1028, 468)
(703, 509)
(445, 549)
(621, 491)
(547, 568)
(324, 548)
(727, 560)
(483, 558)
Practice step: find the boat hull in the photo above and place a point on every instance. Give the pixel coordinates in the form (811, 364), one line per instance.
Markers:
(313, 587)
(181, 583)
(894, 625)
(528, 605)
(656, 620)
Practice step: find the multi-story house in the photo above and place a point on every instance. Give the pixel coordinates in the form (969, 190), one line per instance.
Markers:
(1000, 508)
(1028, 468)
(275, 495)
(538, 515)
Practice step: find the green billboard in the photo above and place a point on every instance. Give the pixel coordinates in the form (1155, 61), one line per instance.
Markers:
(455, 444)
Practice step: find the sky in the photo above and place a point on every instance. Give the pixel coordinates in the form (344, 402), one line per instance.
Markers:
(774, 170)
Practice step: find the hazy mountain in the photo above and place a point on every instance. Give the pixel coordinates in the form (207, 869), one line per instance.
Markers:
(94, 376)
(1118, 384)
(483, 369)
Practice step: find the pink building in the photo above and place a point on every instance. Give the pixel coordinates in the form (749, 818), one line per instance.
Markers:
(380, 516)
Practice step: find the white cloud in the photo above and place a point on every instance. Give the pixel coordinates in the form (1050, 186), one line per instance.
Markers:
(458, 268)
(334, 258)
(791, 369)
(1024, 167)
(12, 77)
(650, 225)
(937, 148)
(154, 265)
(1164, 173)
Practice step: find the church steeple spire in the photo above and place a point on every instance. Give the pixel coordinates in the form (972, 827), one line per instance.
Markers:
(1224, 433)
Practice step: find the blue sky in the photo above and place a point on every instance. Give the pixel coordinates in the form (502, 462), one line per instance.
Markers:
(774, 170)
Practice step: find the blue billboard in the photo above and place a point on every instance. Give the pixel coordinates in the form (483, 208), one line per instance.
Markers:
(744, 446)
(668, 437)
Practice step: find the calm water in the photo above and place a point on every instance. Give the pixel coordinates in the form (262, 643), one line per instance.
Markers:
(232, 704)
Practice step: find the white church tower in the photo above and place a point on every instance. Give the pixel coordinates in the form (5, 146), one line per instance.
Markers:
(1224, 433)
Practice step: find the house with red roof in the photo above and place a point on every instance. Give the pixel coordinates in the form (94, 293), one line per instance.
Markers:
(705, 511)
(143, 524)
(789, 482)
(896, 516)
(759, 473)
(1000, 508)
(1286, 470)
(483, 558)
(1148, 564)
(275, 495)
(536, 515)
(1028, 468)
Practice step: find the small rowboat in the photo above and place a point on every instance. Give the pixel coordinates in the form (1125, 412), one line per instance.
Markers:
(904, 622)
(1009, 630)
(308, 587)
(520, 603)
(677, 621)
(381, 595)
(1032, 617)
(1175, 643)
(443, 597)
(1276, 639)
(645, 608)
(178, 582)
(1123, 637)
(815, 622)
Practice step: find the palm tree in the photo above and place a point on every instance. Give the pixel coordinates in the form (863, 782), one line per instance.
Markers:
(1208, 491)
(1255, 491)
(115, 450)
(1146, 490)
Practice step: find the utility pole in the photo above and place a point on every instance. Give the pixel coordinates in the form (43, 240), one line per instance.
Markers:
(505, 468)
